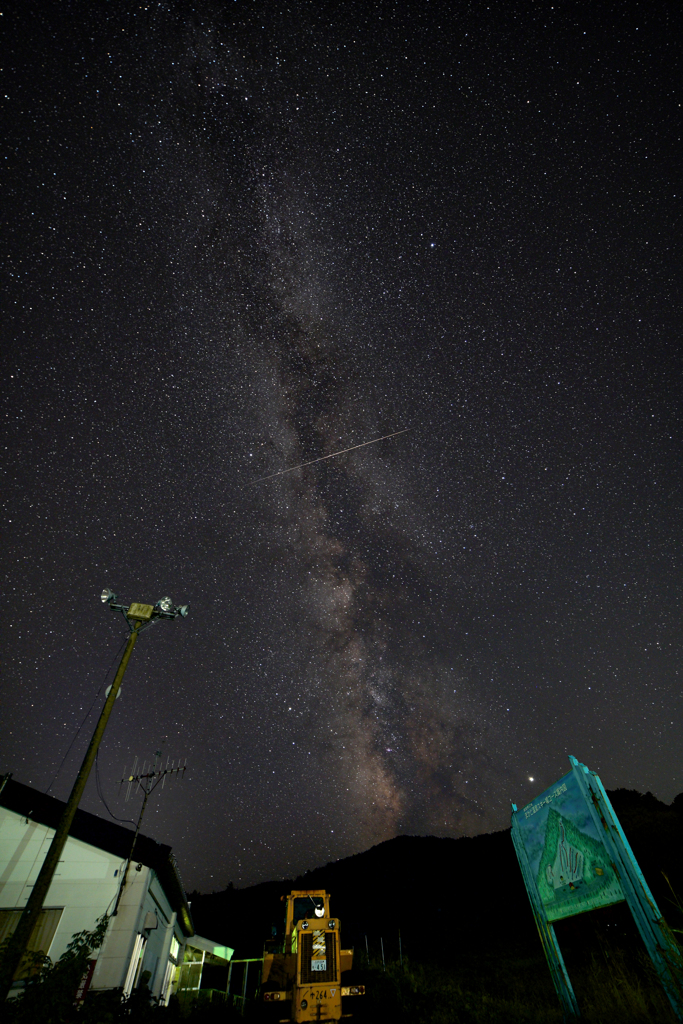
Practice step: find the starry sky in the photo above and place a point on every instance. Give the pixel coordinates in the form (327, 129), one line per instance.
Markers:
(243, 236)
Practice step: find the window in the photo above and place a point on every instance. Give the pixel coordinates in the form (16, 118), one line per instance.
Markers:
(43, 931)
(307, 908)
(135, 965)
(167, 983)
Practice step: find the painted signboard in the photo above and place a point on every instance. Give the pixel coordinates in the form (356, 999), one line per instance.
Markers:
(566, 854)
(574, 857)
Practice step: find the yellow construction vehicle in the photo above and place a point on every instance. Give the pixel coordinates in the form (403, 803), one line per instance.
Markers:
(304, 975)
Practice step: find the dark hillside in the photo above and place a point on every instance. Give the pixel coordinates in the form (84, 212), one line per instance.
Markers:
(412, 882)
(448, 897)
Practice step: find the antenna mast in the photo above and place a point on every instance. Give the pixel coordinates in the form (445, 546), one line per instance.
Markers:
(147, 780)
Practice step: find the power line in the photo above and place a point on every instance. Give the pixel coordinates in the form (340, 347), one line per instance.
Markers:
(98, 784)
(87, 715)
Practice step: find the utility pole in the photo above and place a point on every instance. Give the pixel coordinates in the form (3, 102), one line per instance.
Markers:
(138, 617)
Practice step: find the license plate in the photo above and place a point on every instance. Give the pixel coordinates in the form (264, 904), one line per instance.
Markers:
(318, 965)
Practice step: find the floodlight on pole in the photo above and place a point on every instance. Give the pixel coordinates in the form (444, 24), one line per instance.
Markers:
(138, 617)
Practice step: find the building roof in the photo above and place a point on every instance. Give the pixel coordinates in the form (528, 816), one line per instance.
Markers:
(220, 953)
(105, 835)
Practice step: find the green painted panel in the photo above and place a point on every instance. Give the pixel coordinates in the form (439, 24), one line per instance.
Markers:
(223, 951)
(566, 855)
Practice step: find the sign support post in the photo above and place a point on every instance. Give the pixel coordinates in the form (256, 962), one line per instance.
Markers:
(655, 933)
(551, 948)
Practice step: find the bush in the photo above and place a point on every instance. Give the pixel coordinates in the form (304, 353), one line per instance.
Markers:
(50, 991)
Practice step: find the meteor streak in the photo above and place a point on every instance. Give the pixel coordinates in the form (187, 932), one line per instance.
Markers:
(323, 457)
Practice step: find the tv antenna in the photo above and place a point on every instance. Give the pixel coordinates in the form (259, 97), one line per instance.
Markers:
(150, 775)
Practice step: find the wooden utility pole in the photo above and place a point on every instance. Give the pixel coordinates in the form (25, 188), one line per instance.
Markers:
(22, 933)
(138, 617)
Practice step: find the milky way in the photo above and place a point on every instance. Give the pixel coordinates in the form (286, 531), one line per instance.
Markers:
(242, 239)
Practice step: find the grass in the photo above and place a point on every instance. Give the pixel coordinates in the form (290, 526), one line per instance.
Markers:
(612, 985)
(618, 988)
(483, 989)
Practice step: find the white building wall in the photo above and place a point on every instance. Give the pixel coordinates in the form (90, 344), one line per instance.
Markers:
(116, 951)
(159, 945)
(85, 885)
(85, 882)
(142, 895)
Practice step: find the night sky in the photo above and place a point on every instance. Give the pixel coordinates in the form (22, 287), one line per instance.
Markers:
(243, 236)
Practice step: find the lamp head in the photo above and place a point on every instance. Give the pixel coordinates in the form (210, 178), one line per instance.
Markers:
(183, 609)
(108, 596)
(165, 604)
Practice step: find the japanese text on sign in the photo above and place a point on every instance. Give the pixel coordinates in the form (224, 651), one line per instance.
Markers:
(535, 808)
